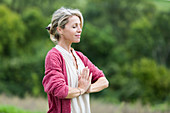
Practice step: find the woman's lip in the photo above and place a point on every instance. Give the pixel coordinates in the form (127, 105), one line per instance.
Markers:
(78, 36)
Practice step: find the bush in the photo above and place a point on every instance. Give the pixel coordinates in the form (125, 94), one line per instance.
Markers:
(154, 80)
(143, 80)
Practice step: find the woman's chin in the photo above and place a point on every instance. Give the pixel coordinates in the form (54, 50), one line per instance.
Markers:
(77, 41)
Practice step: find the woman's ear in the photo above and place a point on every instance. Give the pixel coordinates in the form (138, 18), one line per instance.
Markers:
(60, 30)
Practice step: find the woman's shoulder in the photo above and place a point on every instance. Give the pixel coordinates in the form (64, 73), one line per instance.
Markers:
(53, 51)
(54, 54)
(82, 56)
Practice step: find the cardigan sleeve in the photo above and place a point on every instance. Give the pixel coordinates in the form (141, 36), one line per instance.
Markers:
(96, 73)
(54, 81)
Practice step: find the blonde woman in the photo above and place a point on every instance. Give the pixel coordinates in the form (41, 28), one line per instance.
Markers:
(69, 75)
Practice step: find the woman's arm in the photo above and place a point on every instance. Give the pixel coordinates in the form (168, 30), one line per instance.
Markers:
(75, 92)
(99, 85)
(54, 81)
(99, 81)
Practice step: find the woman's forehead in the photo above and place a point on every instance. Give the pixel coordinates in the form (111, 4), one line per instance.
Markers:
(74, 19)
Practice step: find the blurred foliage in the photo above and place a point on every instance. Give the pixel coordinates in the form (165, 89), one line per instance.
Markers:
(143, 80)
(128, 39)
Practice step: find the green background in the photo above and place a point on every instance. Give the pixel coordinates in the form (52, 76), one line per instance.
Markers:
(128, 39)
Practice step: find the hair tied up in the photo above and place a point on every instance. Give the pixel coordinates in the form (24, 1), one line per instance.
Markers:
(60, 19)
(48, 27)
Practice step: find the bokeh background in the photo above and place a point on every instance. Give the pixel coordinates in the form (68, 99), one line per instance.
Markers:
(128, 39)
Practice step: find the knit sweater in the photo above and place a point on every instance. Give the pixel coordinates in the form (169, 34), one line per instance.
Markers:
(55, 80)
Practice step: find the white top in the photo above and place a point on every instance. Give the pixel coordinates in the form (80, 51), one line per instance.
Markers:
(79, 104)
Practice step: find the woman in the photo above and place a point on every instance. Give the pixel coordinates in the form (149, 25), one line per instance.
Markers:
(69, 75)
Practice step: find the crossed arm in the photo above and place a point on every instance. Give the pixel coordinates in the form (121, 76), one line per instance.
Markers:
(85, 85)
(56, 85)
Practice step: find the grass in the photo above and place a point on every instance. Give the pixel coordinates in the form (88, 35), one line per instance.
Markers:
(40, 105)
(123, 107)
(28, 104)
(100, 107)
(12, 109)
(163, 5)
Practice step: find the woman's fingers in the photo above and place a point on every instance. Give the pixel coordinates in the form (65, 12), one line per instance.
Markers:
(79, 77)
(87, 73)
(90, 77)
(85, 80)
(83, 74)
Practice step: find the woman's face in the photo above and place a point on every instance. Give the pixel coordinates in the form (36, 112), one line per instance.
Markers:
(72, 31)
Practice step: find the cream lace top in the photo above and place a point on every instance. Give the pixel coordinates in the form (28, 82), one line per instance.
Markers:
(79, 104)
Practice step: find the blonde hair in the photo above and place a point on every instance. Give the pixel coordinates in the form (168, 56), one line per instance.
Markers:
(60, 19)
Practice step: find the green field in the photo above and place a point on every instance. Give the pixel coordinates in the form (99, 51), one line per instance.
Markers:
(39, 105)
(102, 108)
(162, 4)
(12, 109)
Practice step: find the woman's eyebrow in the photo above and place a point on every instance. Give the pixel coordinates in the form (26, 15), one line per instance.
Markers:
(77, 24)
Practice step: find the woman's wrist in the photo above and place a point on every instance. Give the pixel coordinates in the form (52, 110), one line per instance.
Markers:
(81, 91)
(89, 89)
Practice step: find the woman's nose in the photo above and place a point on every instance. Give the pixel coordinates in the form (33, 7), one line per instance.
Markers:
(79, 29)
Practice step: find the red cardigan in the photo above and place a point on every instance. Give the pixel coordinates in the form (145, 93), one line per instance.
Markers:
(55, 80)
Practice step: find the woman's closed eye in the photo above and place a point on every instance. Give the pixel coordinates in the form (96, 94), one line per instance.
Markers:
(74, 26)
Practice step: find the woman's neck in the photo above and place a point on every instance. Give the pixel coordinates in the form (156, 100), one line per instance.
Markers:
(66, 46)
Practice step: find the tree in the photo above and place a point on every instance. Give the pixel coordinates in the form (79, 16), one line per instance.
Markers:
(12, 37)
(160, 33)
(12, 32)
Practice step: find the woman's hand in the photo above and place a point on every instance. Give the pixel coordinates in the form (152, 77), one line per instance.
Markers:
(84, 83)
(84, 80)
